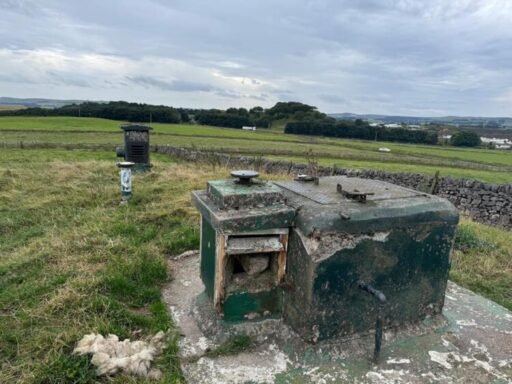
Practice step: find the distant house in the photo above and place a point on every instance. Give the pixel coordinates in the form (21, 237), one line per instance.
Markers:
(247, 128)
(494, 140)
(393, 125)
(497, 143)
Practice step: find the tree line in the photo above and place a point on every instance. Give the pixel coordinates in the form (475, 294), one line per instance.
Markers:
(257, 116)
(232, 117)
(114, 110)
(360, 129)
(302, 119)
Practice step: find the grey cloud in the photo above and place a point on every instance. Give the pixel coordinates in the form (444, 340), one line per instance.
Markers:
(227, 94)
(67, 78)
(173, 85)
(188, 86)
(332, 99)
(260, 97)
(25, 7)
(452, 57)
(16, 78)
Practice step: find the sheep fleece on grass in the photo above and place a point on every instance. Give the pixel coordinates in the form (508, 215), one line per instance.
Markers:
(111, 356)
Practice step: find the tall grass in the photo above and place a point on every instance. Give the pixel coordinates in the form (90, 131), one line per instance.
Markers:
(72, 261)
(482, 261)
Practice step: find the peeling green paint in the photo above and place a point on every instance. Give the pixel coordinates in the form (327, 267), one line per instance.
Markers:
(207, 256)
(242, 306)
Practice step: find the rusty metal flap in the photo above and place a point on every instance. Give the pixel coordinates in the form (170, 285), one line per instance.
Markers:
(253, 244)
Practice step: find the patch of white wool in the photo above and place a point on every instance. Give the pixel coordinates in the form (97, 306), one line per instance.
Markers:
(111, 356)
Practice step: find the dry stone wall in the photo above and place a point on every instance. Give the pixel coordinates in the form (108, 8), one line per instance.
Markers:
(483, 202)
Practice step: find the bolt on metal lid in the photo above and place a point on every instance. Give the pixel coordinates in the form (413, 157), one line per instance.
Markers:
(244, 176)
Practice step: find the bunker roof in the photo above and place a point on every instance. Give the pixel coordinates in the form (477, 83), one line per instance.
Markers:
(340, 203)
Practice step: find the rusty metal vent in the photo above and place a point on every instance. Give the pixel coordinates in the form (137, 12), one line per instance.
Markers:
(137, 153)
(326, 192)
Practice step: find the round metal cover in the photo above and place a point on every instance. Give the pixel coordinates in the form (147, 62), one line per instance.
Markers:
(244, 176)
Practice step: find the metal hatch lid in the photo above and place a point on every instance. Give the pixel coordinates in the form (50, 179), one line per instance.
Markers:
(325, 192)
(253, 244)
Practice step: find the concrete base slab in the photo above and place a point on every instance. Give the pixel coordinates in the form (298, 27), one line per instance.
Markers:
(470, 343)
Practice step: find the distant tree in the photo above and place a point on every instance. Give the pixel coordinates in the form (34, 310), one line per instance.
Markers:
(285, 109)
(184, 116)
(256, 110)
(465, 139)
(222, 119)
(243, 112)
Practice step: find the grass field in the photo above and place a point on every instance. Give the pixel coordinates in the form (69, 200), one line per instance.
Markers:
(486, 165)
(11, 107)
(72, 261)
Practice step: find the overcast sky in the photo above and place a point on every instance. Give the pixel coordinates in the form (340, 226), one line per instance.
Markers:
(413, 57)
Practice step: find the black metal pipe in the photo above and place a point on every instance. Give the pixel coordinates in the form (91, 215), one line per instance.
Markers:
(381, 298)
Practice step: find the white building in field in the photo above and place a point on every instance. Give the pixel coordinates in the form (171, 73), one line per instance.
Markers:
(393, 125)
(495, 141)
(247, 128)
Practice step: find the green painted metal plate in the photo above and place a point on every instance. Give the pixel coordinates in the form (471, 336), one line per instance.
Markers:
(240, 305)
(208, 256)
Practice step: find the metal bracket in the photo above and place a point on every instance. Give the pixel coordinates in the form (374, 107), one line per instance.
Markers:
(354, 194)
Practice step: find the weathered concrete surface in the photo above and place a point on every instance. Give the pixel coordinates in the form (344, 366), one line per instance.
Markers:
(471, 344)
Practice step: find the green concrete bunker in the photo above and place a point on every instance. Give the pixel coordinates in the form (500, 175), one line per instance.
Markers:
(306, 252)
(320, 274)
